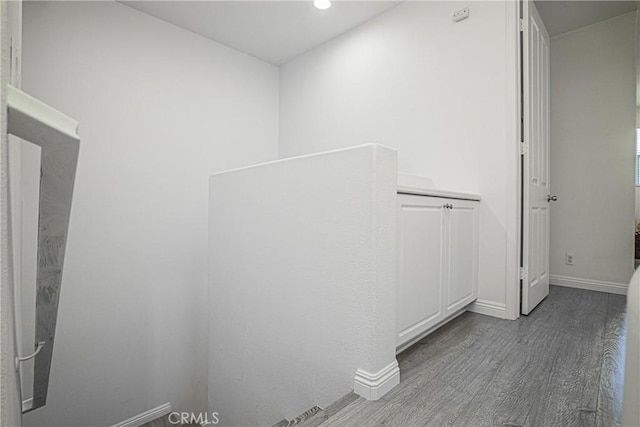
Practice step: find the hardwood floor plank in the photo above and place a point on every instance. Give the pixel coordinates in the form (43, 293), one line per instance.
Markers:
(330, 410)
(438, 401)
(570, 395)
(427, 358)
(517, 385)
(364, 413)
(559, 366)
(609, 410)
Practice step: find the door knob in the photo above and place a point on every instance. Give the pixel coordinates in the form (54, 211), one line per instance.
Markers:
(551, 198)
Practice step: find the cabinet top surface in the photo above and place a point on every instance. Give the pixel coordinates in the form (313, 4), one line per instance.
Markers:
(411, 184)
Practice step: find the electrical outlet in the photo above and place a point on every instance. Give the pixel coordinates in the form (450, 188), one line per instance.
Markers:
(570, 258)
(461, 14)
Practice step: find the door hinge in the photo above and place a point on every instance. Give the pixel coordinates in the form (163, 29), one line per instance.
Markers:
(522, 24)
(523, 273)
(523, 148)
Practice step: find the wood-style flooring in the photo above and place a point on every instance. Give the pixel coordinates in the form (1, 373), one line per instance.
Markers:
(560, 366)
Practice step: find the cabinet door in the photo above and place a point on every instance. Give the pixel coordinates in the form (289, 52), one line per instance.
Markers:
(462, 259)
(420, 260)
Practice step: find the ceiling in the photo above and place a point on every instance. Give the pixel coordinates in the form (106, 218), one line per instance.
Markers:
(560, 16)
(274, 31)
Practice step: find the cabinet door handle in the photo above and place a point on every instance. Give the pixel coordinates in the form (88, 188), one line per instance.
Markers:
(448, 206)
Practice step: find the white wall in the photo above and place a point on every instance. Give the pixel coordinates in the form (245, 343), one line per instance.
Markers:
(159, 109)
(593, 116)
(435, 90)
(303, 268)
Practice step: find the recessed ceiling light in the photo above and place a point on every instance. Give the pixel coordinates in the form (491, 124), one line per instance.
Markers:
(322, 4)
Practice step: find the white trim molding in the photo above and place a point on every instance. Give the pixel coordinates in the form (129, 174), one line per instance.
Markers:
(374, 386)
(145, 417)
(489, 308)
(411, 342)
(588, 284)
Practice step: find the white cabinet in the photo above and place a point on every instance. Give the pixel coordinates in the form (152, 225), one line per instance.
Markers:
(462, 260)
(421, 236)
(437, 261)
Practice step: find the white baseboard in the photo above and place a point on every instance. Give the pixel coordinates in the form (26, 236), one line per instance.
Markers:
(374, 386)
(488, 308)
(590, 285)
(406, 345)
(145, 417)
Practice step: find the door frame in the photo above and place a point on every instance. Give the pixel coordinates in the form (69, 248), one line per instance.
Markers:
(513, 10)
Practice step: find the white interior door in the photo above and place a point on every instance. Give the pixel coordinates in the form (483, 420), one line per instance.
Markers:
(535, 170)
